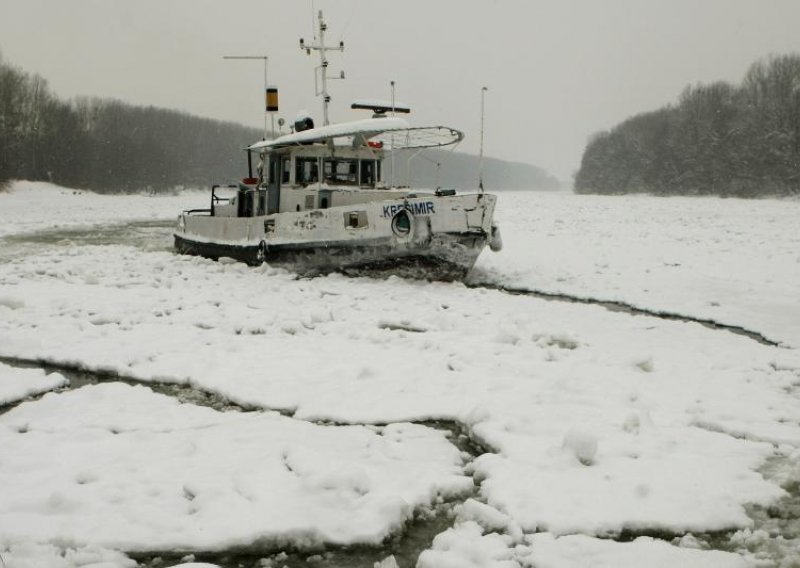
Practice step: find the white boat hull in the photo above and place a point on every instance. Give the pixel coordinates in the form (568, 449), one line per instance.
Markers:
(444, 237)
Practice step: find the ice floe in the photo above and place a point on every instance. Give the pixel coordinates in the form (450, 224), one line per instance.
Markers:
(122, 467)
(19, 383)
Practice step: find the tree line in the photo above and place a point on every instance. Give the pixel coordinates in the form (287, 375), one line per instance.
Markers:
(107, 145)
(110, 146)
(719, 139)
(444, 168)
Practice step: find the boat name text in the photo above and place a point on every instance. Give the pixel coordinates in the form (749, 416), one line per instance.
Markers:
(418, 208)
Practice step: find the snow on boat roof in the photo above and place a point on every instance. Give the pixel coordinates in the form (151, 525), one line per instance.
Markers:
(394, 133)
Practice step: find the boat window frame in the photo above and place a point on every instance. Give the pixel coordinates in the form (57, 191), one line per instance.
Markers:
(356, 219)
(299, 173)
(374, 167)
(331, 179)
(286, 170)
(274, 170)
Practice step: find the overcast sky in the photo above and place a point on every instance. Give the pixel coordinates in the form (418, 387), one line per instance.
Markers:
(557, 70)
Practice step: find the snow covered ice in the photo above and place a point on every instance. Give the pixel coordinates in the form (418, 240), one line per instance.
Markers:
(594, 422)
(121, 467)
(734, 261)
(16, 384)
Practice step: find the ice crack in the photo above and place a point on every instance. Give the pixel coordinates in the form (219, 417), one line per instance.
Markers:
(619, 306)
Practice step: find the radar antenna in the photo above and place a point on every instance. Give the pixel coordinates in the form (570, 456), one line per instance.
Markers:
(321, 73)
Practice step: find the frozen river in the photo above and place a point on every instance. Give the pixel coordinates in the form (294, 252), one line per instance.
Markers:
(159, 406)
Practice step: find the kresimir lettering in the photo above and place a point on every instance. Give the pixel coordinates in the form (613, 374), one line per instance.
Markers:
(416, 208)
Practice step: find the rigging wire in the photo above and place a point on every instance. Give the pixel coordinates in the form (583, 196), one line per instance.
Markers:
(313, 22)
(353, 5)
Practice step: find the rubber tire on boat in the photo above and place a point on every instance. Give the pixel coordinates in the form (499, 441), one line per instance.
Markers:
(403, 231)
(495, 239)
(261, 255)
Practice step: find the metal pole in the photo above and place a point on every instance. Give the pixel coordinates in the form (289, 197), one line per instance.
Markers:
(324, 62)
(266, 107)
(391, 180)
(264, 94)
(323, 49)
(480, 167)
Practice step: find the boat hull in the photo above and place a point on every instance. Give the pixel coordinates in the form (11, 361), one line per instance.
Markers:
(446, 257)
(437, 238)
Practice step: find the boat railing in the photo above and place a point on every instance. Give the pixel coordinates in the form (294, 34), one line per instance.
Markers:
(216, 199)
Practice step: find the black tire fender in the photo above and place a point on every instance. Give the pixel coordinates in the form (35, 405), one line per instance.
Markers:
(403, 223)
(263, 249)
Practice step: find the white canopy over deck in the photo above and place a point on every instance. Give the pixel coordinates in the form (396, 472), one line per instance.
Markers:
(392, 133)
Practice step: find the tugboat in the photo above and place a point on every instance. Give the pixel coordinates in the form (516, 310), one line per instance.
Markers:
(318, 202)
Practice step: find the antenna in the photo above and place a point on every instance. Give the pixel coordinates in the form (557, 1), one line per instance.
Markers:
(270, 106)
(323, 68)
(391, 180)
(480, 167)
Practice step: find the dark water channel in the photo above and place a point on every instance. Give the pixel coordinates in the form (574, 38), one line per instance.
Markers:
(617, 306)
(405, 549)
(145, 235)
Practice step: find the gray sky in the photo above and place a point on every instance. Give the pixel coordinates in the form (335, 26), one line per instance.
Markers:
(557, 71)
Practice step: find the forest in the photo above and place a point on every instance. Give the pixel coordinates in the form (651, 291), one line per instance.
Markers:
(111, 146)
(445, 168)
(108, 145)
(718, 139)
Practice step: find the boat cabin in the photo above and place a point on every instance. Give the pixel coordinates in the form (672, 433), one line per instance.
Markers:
(308, 170)
(298, 178)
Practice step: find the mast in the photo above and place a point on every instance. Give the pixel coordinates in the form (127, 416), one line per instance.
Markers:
(391, 180)
(323, 67)
(267, 111)
(480, 167)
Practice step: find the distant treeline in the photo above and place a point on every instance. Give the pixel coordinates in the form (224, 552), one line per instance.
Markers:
(110, 146)
(443, 168)
(719, 139)
(107, 145)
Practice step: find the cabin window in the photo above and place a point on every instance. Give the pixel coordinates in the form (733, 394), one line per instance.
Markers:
(274, 169)
(287, 170)
(306, 171)
(355, 219)
(367, 175)
(341, 172)
(262, 203)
